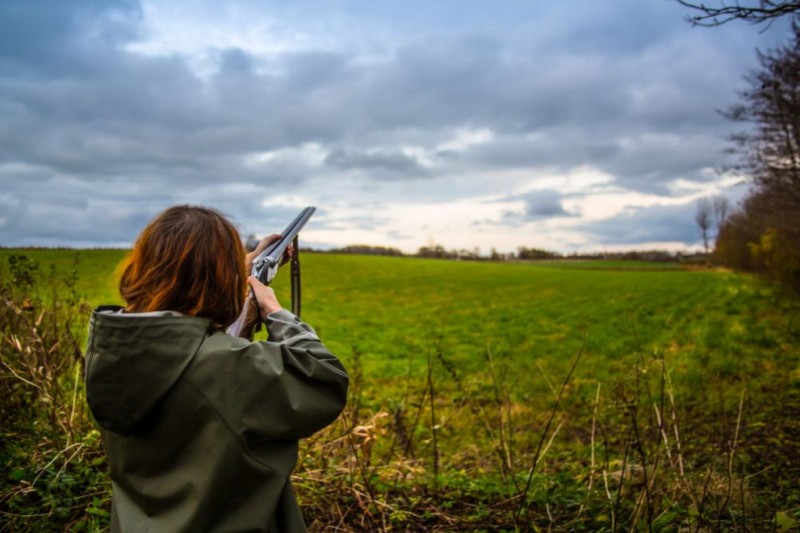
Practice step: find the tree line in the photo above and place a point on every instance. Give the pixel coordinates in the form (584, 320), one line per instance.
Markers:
(523, 253)
(763, 233)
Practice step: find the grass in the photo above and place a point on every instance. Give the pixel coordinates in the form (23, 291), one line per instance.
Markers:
(95, 269)
(457, 371)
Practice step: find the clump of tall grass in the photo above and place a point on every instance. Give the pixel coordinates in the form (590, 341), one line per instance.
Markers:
(461, 452)
(51, 455)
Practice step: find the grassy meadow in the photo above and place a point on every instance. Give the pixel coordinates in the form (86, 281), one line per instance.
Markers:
(485, 396)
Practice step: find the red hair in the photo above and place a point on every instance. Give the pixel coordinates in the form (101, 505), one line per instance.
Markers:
(188, 259)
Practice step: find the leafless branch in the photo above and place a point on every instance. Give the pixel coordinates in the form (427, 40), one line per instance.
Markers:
(760, 12)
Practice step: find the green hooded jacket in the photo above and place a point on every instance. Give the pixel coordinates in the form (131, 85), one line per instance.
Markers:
(200, 428)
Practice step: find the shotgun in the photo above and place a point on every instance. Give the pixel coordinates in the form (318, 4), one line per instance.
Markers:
(266, 265)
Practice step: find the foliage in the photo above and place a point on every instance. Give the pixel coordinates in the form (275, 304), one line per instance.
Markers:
(536, 253)
(364, 249)
(765, 233)
(49, 448)
(680, 413)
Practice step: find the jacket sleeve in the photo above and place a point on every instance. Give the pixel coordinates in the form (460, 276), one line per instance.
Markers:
(291, 386)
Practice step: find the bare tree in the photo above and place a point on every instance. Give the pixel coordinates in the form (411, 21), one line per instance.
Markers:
(765, 232)
(754, 11)
(769, 148)
(703, 219)
(721, 208)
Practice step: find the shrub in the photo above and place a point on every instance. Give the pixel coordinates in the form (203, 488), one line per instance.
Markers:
(49, 449)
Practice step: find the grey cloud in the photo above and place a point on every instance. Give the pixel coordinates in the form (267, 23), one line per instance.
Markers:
(544, 204)
(59, 213)
(388, 164)
(310, 71)
(138, 113)
(538, 205)
(642, 162)
(50, 37)
(31, 221)
(550, 149)
(650, 163)
(657, 223)
(616, 27)
(233, 61)
(130, 133)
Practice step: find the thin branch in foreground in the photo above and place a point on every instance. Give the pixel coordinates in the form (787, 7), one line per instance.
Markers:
(537, 455)
(765, 11)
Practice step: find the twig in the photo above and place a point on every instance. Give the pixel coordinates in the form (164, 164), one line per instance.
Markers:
(53, 460)
(591, 445)
(625, 451)
(547, 379)
(432, 398)
(703, 500)
(360, 464)
(74, 401)
(505, 450)
(663, 433)
(610, 502)
(675, 425)
(553, 412)
(732, 452)
(32, 384)
(552, 438)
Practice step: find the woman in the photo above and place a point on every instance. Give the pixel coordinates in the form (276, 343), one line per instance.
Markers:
(200, 428)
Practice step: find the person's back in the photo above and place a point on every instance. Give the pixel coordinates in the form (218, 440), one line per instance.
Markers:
(200, 427)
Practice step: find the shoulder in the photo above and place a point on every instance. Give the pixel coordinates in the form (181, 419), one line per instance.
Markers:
(220, 342)
(224, 361)
(220, 350)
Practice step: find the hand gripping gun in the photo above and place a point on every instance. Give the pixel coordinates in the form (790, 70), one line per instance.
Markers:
(266, 265)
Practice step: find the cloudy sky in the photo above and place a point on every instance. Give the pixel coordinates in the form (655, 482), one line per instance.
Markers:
(577, 125)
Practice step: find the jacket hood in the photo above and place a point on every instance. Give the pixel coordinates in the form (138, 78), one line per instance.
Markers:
(132, 361)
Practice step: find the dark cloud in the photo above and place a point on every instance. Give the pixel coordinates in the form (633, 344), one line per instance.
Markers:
(544, 204)
(311, 71)
(645, 162)
(652, 224)
(234, 62)
(71, 220)
(115, 135)
(50, 37)
(377, 163)
(136, 114)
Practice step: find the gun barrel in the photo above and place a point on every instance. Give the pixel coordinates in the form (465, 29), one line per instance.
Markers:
(265, 266)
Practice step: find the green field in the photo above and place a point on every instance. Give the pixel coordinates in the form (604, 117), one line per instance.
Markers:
(689, 378)
(393, 310)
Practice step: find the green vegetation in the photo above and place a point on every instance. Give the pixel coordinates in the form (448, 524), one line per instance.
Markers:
(681, 410)
(763, 234)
